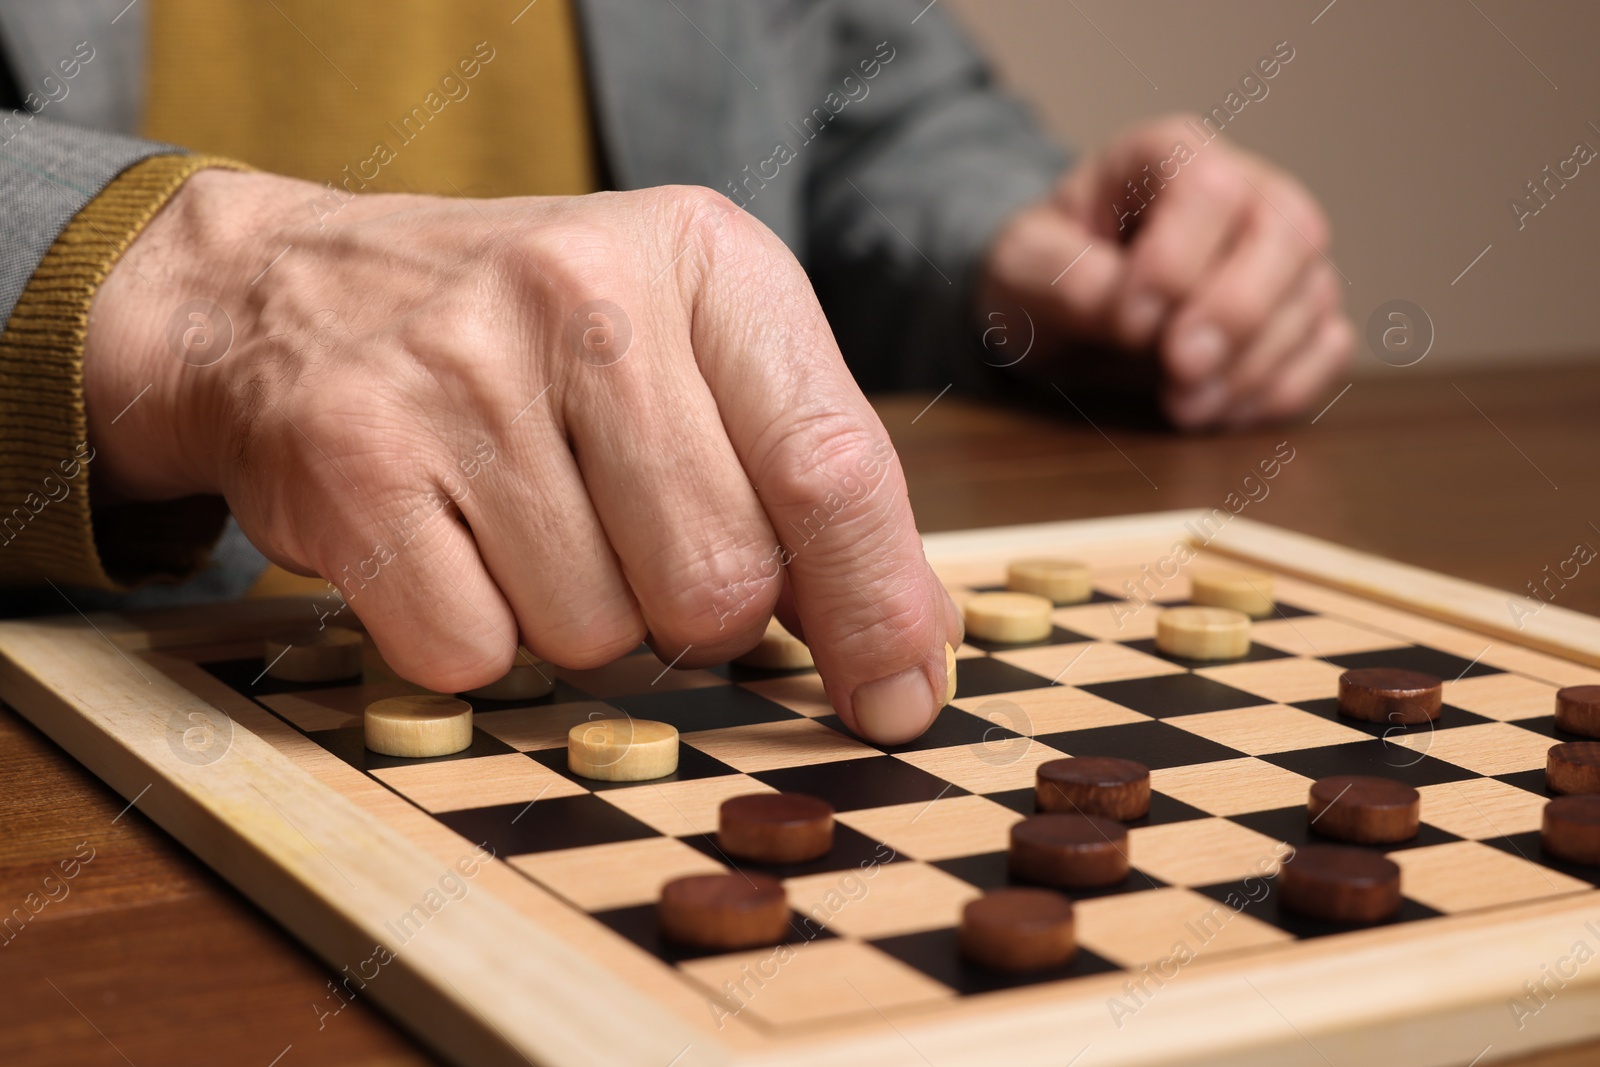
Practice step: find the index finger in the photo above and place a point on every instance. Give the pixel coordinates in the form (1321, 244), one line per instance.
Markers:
(828, 480)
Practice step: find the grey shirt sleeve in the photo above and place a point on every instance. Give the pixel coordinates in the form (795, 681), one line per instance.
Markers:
(912, 185)
(48, 172)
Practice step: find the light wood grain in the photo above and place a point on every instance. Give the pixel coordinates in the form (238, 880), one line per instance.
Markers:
(1454, 974)
(173, 989)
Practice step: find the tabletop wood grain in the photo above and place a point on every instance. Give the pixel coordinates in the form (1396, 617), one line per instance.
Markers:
(145, 958)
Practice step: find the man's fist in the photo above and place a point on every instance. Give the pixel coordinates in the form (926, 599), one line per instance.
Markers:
(577, 423)
(1205, 253)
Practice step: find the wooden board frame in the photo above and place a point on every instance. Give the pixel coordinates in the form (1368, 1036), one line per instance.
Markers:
(494, 987)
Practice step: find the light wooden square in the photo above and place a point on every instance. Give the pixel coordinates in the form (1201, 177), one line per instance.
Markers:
(1465, 875)
(639, 673)
(1167, 926)
(1284, 681)
(767, 746)
(1147, 580)
(813, 982)
(532, 729)
(1539, 665)
(1481, 807)
(1203, 852)
(1416, 630)
(1313, 596)
(1233, 787)
(1048, 711)
(966, 575)
(616, 875)
(1086, 663)
(1266, 728)
(940, 830)
(1320, 636)
(797, 692)
(334, 708)
(1487, 748)
(1008, 763)
(449, 785)
(682, 808)
(1114, 621)
(1502, 696)
(881, 901)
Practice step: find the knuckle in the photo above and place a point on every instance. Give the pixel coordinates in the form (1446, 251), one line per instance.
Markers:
(583, 641)
(716, 233)
(578, 258)
(696, 201)
(899, 622)
(1219, 181)
(824, 455)
(1239, 310)
(726, 235)
(1165, 264)
(717, 596)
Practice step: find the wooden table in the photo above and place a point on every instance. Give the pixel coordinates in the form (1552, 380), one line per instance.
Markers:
(150, 960)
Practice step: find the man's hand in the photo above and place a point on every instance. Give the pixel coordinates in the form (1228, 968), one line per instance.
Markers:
(577, 422)
(1205, 253)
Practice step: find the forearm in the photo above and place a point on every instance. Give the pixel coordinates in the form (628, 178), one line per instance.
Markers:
(911, 187)
(907, 232)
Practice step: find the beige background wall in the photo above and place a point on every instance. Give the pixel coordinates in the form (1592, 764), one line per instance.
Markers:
(1413, 122)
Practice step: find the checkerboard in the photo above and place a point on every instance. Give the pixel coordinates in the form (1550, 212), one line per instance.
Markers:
(922, 828)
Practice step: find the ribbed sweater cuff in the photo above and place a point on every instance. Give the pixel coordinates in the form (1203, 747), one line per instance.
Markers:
(47, 528)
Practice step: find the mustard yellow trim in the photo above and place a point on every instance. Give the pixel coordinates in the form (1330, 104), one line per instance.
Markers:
(47, 530)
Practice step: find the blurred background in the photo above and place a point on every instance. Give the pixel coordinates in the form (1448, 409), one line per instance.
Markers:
(1415, 125)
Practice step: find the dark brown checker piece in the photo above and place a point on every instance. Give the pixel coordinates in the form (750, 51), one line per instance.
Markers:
(1108, 786)
(724, 911)
(775, 827)
(1573, 767)
(1365, 809)
(1340, 883)
(1571, 829)
(1018, 930)
(1578, 709)
(1069, 851)
(1390, 694)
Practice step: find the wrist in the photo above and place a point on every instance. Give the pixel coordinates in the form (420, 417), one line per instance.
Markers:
(161, 329)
